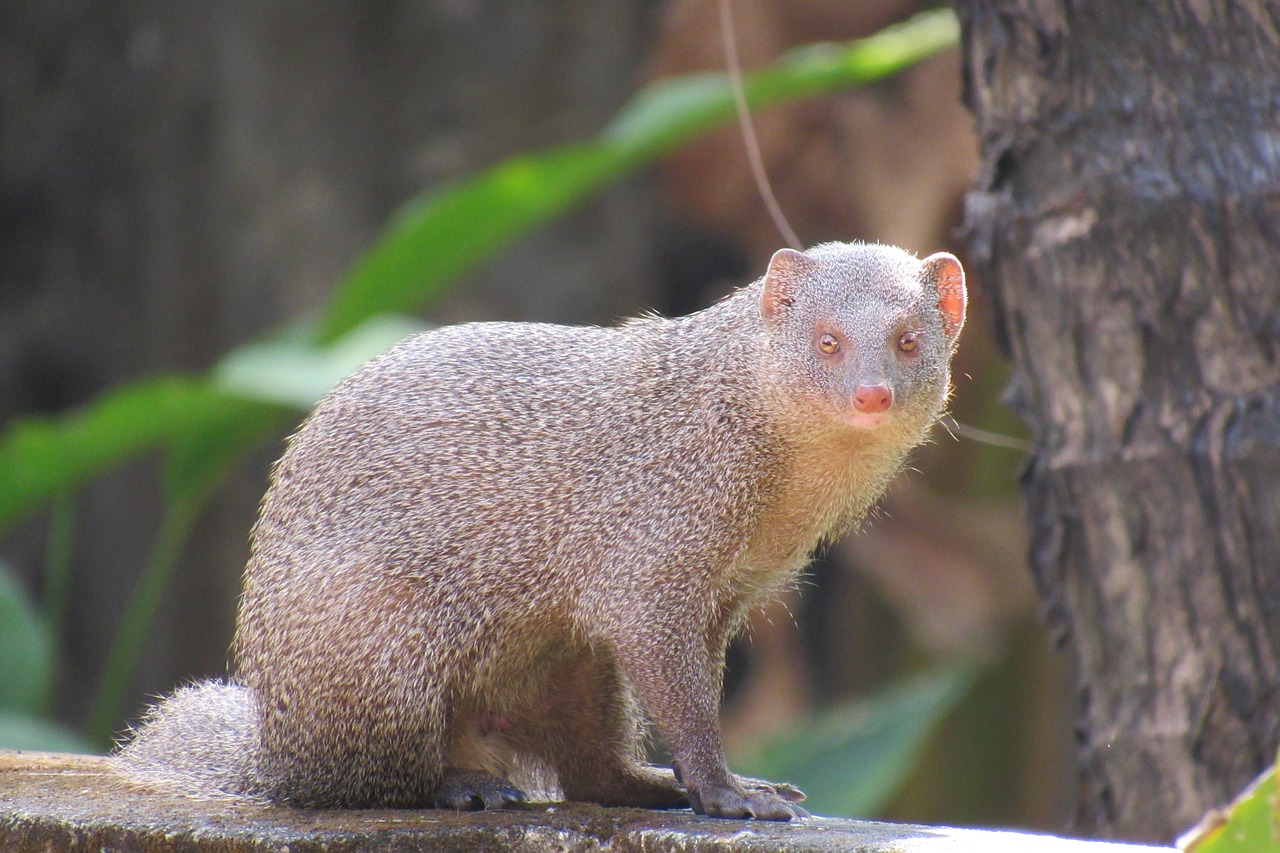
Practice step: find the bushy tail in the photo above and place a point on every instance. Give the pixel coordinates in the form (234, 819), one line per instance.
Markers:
(201, 741)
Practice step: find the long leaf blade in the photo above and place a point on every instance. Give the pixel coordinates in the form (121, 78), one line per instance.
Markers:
(851, 758)
(41, 457)
(444, 233)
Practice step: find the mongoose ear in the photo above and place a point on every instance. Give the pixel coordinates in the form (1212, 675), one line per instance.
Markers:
(787, 271)
(943, 273)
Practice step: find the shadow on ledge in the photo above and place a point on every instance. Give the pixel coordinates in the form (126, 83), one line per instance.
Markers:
(53, 802)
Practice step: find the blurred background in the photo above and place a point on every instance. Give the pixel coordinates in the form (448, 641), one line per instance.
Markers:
(180, 180)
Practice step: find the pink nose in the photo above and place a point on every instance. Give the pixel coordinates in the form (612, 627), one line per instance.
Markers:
(873, 399)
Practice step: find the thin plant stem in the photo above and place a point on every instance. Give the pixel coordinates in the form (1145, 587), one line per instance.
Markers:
(179, 518)
(57, 565)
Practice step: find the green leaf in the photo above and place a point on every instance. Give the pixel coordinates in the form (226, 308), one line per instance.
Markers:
(670, 112)
(445, 232)
(23, 731)
(292, 371)
(42, 457)
(852, 758)
(26, 664)
(1251, 824)
(442, 234)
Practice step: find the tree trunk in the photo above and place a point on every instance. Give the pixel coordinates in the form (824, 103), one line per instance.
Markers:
(1126, 221)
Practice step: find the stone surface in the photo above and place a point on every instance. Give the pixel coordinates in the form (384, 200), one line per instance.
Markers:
(52, 802)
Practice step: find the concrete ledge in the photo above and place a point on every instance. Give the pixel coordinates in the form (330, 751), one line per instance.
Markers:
(53, 802)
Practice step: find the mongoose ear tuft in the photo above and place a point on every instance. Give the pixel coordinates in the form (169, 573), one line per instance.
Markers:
(787, 270)
(943, 273)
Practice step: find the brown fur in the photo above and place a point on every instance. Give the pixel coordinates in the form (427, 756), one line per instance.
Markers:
(490, 548)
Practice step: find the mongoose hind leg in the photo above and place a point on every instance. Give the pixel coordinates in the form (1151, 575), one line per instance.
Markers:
(479, 764)
(338, 732)
(476, 790)
(340, 761)
(592, 736)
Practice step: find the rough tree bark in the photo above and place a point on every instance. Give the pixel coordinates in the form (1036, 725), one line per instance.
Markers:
(1126, 219)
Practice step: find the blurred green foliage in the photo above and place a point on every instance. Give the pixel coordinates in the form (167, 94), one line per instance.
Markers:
(26, 675)
(850, 758)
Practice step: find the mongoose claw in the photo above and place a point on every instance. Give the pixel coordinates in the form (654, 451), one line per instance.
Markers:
(790, 793)
(476, 790)
(723, 801)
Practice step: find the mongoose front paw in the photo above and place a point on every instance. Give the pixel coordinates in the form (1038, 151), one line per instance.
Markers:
(475, 790)
(723, 801)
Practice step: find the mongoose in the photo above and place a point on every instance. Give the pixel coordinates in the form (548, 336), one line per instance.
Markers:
(495, 548)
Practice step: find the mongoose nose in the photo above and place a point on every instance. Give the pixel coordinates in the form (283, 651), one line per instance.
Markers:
(872, 399)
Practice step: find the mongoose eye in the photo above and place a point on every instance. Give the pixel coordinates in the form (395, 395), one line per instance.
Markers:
(907, 343)
(828, 344)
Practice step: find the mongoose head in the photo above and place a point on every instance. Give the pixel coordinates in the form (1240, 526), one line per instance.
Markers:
(864, 333)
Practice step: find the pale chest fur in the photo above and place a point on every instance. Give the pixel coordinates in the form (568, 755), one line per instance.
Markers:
(825, 486)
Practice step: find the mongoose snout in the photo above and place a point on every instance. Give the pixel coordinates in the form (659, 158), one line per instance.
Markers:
(873, 399)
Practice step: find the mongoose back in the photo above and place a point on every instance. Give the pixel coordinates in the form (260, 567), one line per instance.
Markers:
(495, 548)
